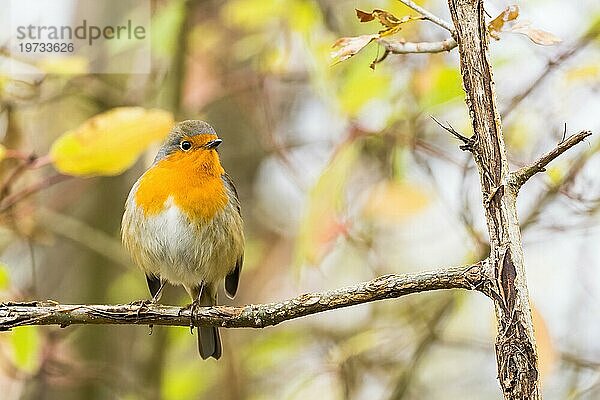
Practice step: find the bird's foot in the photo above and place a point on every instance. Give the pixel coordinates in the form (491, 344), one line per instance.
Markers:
(193, 309)
(143, 306)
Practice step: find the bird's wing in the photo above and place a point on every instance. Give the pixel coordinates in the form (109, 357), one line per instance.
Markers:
(232, 279)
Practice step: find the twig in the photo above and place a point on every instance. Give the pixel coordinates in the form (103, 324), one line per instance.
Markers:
(398, 47)
(13, 199)
(468, 142)
(249, 316)
(553, 190)
(429, 16)
(521, 176)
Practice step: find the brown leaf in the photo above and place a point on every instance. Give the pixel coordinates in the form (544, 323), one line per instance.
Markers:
(505, 22)
(385, 18)
(349, 46)
(509, 14)
(536, 35)
(364, 16)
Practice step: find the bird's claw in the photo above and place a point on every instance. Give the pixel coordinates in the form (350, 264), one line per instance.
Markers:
(143, 304)
(193, 309)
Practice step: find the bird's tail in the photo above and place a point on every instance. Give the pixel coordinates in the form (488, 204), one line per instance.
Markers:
(209, 340)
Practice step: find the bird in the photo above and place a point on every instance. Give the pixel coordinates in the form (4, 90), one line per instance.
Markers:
(183, 225)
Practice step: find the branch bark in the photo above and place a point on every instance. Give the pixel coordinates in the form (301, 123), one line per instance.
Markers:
(396, 47)
(522, 175)
(250, 316)
(516, 352)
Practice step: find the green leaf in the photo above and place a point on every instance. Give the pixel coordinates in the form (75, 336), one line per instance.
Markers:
(4, 277)
(25, 343)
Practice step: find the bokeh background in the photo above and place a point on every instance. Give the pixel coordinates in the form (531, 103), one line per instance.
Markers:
(342, 176)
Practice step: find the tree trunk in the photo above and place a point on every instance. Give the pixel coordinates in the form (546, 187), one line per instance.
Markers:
(515, 343)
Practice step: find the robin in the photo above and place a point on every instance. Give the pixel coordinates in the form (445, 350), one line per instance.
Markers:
(182, 223)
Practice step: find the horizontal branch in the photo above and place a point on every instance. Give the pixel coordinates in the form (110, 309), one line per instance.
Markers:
(523, 174)
(397, 47)
(249, 316)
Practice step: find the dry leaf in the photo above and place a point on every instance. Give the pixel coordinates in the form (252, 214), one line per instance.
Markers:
(109, 143)
(385, 18)
(509, 14)
(349, 46)
(506, 22)
(536, 35)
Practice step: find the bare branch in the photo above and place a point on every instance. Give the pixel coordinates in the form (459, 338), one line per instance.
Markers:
(553, 190)
(398, 47)
(523, 174)
(429, 16)
(250, 316)
(45, 183)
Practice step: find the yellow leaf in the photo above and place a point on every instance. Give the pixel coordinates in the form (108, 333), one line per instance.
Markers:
(556, 174)
(2, 152)
(4, 278)
(392, 202)
(109, 143)
(25, 343)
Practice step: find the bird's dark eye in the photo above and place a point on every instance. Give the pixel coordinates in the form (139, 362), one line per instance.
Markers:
(185, 145)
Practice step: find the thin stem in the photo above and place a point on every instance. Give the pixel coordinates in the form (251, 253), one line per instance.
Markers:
(397, 47)
(523, 174)
(429, 16)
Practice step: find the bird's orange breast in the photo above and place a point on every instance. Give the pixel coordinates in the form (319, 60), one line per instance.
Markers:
(192, 182)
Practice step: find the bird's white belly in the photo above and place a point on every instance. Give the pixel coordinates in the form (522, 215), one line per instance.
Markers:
(172, 247)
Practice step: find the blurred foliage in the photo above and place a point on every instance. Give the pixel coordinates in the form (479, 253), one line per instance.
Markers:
(109, 143)
(342, 177)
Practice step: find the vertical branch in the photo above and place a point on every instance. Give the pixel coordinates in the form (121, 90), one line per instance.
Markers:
(515, 343)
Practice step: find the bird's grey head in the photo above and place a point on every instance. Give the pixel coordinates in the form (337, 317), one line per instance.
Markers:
(191, 132)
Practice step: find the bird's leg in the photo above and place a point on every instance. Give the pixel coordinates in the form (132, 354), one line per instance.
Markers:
(194, 305)
(194, 310)
(143, 304)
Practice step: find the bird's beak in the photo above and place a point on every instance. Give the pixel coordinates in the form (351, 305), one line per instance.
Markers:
(213, 144)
